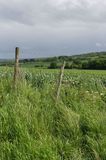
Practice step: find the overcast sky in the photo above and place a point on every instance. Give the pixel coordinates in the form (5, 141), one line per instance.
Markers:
(44, 28)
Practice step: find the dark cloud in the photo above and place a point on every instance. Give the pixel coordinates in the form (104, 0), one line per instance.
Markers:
(38, 11)
(51, 27)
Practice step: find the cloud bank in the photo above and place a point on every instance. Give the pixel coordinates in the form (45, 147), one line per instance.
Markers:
(52, 27)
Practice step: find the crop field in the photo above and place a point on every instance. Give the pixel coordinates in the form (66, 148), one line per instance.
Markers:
(34, 127)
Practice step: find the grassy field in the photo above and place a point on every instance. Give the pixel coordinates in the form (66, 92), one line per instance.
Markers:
(33, 127)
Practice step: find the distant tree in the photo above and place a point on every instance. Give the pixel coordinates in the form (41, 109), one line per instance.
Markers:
(67, 66)
(53, 65)
(85, 65)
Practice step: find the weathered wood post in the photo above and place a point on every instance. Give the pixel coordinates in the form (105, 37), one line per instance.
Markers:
(16, 67)
(60, 81)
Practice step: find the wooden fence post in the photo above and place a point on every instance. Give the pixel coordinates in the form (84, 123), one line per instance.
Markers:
(16, 67)
(60, 81)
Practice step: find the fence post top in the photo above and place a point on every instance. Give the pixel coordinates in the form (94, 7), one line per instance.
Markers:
(16, 47)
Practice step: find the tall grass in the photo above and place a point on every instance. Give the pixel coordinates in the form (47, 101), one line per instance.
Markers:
(32, 127)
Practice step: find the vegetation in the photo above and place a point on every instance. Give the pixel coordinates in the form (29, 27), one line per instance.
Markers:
(96, 60)
(33, 127)
(53, 65)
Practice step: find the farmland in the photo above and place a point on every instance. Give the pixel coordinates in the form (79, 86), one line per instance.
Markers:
(34, 127)
(93, 60)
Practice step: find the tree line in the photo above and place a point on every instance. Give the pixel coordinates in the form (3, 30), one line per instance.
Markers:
(95, 60)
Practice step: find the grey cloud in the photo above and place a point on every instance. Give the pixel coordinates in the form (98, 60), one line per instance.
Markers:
(52, 27)
(80, 10)
(38, 11)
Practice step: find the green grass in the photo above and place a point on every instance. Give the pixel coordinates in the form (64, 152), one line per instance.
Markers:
(33, 127)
